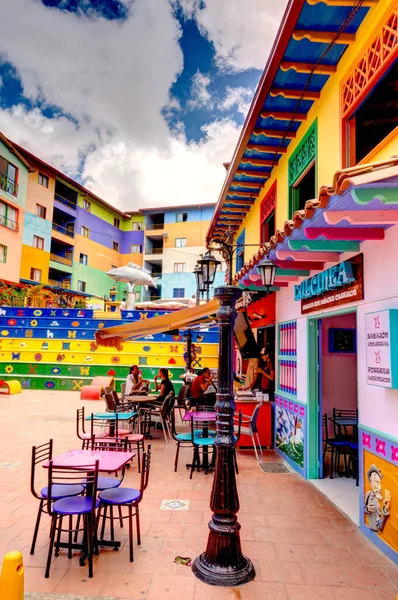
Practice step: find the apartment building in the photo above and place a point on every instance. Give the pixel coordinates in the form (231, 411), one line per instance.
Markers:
(55, 232)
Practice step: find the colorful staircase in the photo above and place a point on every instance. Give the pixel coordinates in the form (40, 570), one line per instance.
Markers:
(56, 349)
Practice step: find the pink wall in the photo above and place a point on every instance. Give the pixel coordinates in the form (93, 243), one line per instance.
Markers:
(339, 371)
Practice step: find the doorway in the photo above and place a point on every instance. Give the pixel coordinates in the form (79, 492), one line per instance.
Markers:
(338, 412)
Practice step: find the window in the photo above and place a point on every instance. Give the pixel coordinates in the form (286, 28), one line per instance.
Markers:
(267, 215)
(85, 232)
(83, 259)
(8, 177)
(81, 286)
(35, 274)
(8, 215)
(41, 211)
(268, 228)
(43, 180)
(115, 246)
(304, 190)
(116, 222)
(302, 170)
(181, 217)
(181, 242)
(86, 205)
(135, 249)
(137, 226)
(38, 242)
(178, 292)
(375, 119)
(240, 251)
(179, 267)
(3, 253)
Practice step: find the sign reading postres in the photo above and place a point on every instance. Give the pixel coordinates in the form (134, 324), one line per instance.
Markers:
(340, 284)
(381, 330)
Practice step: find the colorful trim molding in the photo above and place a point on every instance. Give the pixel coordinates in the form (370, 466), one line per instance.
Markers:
(375, 59)
(304, 154)
(290, 432)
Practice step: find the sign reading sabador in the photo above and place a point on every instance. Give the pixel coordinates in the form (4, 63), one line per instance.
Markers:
(381, 330)
(340, 284)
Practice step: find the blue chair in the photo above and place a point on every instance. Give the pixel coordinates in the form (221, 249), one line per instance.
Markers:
(182, 439)
(337, 448)
(204, 442)
(42, 454)
(79, 506)
(125, 497)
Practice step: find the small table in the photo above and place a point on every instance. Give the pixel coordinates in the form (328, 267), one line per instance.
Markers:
(112, 416)
(202, 417)
(108, 462)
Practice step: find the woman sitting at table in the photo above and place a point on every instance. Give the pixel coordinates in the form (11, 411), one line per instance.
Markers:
(135, 382)
(164, 386)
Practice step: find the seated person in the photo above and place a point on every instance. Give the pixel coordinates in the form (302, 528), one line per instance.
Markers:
(200, 386)
(135, 382)
(164, 386)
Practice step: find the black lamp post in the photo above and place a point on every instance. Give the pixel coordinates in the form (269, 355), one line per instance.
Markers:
(200, 288)
(223, 563)
(267, 271)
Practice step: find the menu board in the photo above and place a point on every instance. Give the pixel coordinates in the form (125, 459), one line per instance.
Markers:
(381, 348)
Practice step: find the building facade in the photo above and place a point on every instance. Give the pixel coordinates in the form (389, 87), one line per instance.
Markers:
(56, 233)
(313, 182)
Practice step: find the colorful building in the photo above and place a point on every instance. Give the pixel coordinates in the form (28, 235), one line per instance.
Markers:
(313, 181)
(174, 241)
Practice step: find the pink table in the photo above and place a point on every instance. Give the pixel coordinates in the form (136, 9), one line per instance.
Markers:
(199, 416)
(109, 461)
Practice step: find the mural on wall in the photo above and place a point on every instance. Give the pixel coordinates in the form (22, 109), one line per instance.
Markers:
(380, 506)
(289, 433)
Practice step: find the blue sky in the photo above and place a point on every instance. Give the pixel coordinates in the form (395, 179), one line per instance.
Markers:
(111, 90)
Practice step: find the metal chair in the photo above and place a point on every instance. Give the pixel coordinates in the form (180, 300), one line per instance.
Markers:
(199, 443)
(80, 430)
(126, 497)
(160, 414)
(250, 428)
(42, 454)
(181, 399)
(80, 506)
(183, 439)
(336, 446)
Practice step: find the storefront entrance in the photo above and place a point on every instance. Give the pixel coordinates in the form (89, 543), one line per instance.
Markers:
(337, 408)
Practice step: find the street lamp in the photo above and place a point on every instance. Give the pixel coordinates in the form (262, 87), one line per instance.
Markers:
(223, 563)
(208, 265)
(200, 288)
(267, 271)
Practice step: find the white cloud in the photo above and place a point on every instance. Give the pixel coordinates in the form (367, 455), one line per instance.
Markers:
(242, 31)
(110, 82)
(200, 96)
(240, 97)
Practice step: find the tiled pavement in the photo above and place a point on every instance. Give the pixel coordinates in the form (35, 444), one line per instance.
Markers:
(302, 546)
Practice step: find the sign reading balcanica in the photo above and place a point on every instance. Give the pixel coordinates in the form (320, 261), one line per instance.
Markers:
(381, 330)
(340, 284)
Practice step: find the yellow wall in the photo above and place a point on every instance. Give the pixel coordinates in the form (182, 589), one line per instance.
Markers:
(33, 257)
(327, 110)
(194, 232)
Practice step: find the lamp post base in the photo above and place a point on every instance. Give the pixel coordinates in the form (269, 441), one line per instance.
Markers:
(223, 574)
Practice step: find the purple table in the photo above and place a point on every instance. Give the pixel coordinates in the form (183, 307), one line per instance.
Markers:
(203, 417)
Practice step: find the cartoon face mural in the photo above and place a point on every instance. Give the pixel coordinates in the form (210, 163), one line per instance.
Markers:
(377, 505)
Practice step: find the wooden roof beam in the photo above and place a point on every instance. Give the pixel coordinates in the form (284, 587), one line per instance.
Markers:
(300, 67)
(257, 162)
(323, 37)
(283, 116)
(243, 194)
(276, 133)
(269, 149)
(366, 3)
(236, 202)
(247, 184)
(260, 149)
(249, 173)
(295, 94)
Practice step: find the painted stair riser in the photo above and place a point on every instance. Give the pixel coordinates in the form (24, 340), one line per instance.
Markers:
(89, 334)
(50, 370)
(89, 347)
(21, 311)
(123, 358)
(66, 384)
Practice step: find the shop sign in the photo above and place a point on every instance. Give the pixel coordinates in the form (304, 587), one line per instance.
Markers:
(381, 330)
(341, 284)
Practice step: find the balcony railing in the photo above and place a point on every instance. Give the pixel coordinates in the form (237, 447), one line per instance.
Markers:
(63, 230)
(61, 259)
(155, 226)
(65, 201)
(154, 251)
(62, 284)
(8, 185)
(9, 223)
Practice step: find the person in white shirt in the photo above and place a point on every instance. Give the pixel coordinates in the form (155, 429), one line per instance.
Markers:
(123, 305)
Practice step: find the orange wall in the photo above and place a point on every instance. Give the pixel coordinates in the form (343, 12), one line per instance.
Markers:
(33, 257)
(194, 232)
(37, 194)
(99, 256)
(138, 259)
